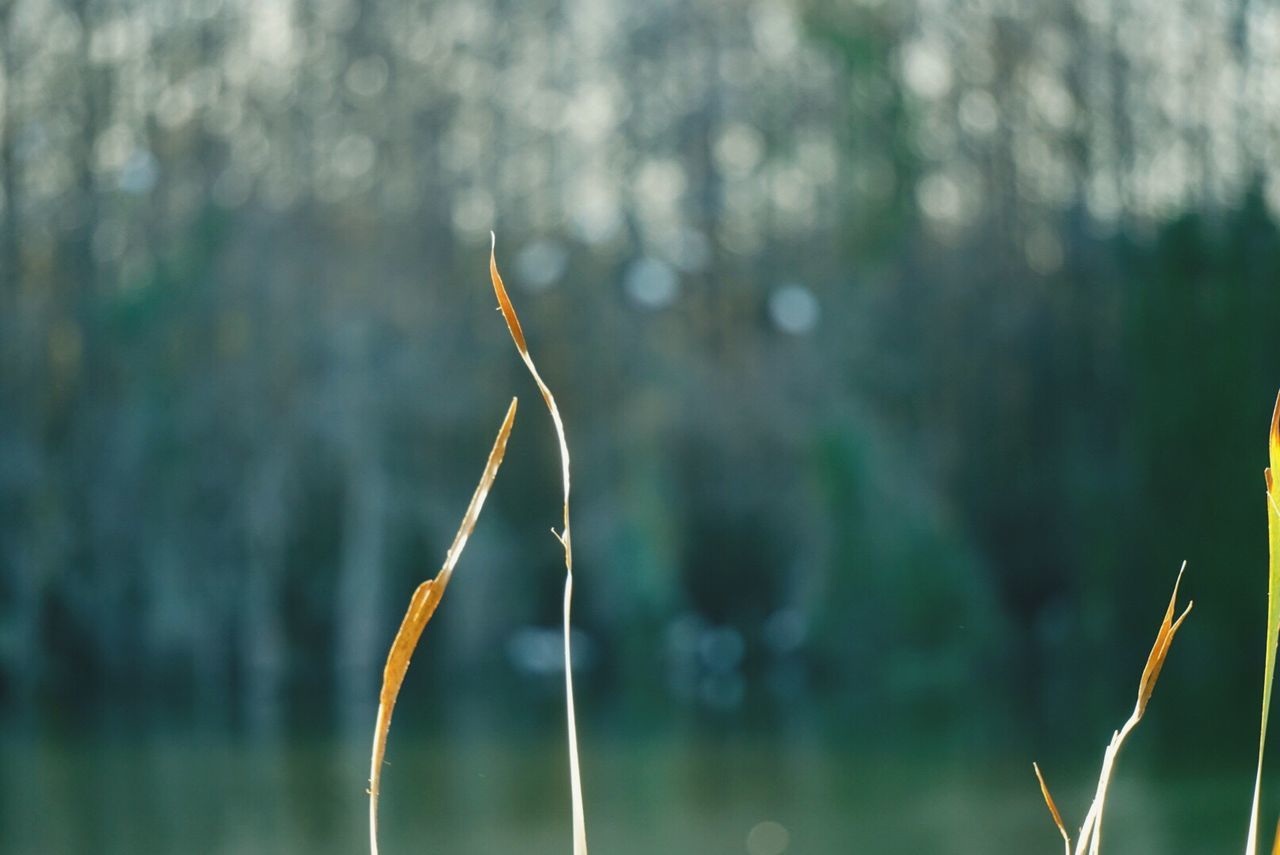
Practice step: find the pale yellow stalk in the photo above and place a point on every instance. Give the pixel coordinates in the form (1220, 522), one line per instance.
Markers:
(517, 335)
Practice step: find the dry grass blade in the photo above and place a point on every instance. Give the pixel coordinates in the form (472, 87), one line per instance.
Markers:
(517, 335)
(421, 607)
(1275, 843)
(1273, 612)
(1053, 809)
(1155, 660)
(1091, 831)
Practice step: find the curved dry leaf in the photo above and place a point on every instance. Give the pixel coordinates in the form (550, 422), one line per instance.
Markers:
(1053, 809)
(504, 303)
(517, 335)
(422, 605)
(1160, 650)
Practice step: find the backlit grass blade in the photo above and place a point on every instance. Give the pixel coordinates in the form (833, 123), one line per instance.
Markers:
(1091, 829)
(421, 607)
(1272, 473)
(517, 335)
(1053, 810)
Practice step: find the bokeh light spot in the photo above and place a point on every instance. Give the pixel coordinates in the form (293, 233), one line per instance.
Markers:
(768, 838)
(794, 309)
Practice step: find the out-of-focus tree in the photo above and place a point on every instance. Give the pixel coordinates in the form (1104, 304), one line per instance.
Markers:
(866, 318)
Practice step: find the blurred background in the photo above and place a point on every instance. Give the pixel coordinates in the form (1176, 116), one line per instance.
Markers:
(906, 348)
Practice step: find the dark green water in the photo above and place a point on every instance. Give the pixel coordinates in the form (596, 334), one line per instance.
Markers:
(186, 791)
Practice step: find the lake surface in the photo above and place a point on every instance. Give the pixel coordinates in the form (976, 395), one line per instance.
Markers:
(707, 789)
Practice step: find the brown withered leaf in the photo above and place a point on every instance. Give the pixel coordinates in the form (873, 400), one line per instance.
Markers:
(422, 606)
(1053, 809)
(1160, 650)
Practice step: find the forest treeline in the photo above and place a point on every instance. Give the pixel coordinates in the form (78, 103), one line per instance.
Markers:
(896, 342)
